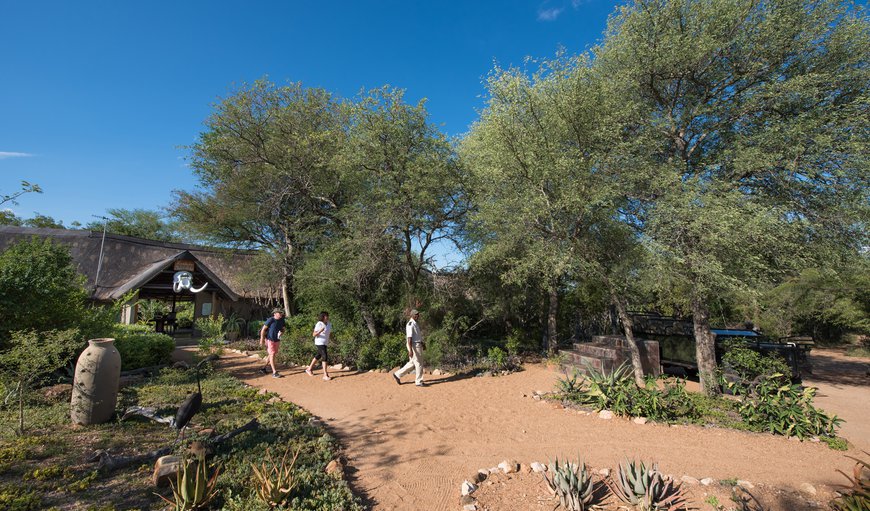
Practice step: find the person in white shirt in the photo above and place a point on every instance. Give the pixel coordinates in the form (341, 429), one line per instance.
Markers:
(415, 345)
(322, 331)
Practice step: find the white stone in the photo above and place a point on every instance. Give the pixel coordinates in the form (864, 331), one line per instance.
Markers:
(509, 466)
(604, 472)
(814, 439)
(536, 397)
(640, 420)
(436, 372)
(493, 470)
(538, 467)
(808, 488)
(337, 367)
(745, 484)
(690, 480)
(707, 481)
(469, 507)
(605, 414)
(468, 487)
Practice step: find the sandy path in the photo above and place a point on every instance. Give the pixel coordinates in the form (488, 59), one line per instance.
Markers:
(410, 448)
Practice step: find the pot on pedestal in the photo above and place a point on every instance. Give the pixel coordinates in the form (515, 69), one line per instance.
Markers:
(95, 385)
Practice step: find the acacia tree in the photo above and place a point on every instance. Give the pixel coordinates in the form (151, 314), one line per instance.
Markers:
(270, 173)
(408, 179)
(543, 186)
(750, 141)
(142, 223)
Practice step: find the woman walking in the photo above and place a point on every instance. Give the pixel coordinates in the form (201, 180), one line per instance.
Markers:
(322, 331)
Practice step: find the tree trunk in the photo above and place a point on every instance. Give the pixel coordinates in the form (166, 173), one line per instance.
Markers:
(628, 329)
(705, 347)
(552, 311)
(21, 408)
(287, 294)
(370, 321)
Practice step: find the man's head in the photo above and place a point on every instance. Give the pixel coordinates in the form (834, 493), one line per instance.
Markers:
(415, 314)
(277, 313)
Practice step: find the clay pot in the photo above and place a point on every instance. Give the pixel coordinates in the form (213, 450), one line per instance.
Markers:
(95, 386)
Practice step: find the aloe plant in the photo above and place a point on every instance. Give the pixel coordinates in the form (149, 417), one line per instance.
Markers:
(647, 489)
(193, 488)
(572, 483)
(276, 480)
(857, 496)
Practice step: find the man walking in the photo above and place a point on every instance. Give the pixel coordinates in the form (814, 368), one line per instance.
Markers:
(271, 335)
(415, 345)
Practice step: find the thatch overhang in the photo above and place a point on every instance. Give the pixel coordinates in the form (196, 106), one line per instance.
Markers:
(130, 263)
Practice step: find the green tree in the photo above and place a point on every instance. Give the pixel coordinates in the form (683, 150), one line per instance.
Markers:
(141, 223)
(408, 179)
(270, 174)
(40, 289)
(26, 187)
(750, 141)
(42, 221)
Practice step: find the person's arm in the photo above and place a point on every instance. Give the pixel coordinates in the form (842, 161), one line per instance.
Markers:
(316, 331)
(263, 335)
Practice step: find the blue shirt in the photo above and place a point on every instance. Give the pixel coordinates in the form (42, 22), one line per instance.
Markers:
(274, 326)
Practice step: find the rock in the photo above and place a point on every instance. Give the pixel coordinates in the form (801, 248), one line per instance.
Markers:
(707, 481)
(745, 484)
(493, 470)
(640, 420)
(273, 400)
(181, 364)
(436, 372)
(605, 414)
(466, 499)
(337, 367)
(536, 397)
(524, 469)
(538, 467)
(208, 432)
(469, 507)
(479, 477)
(808, 488)
(468, 487)
(165, 470)
(335, 469)
(690, 480)
(262, 392)
(604, 472)
(814, 439)
(540, 392)
(509, 467)
(557, 406)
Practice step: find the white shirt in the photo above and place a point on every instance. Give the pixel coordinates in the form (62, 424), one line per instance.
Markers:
(413, 331)
(322, 338)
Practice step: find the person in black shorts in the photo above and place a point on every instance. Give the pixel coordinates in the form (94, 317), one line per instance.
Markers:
(322, 331)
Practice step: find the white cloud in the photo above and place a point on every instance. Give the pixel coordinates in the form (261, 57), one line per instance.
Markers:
(550, 14)
(576, 3)
(6, 154)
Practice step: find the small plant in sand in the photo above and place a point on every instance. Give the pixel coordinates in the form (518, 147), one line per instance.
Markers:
(856, 497)
(194, 487)
(276, 480)
(647, 489)
(572, 483)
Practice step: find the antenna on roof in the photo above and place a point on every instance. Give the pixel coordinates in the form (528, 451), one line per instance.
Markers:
(100, 260)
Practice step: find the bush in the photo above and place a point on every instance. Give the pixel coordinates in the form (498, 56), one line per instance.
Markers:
(394, 351)
(786, 409)
(741, 366)
(142, 349)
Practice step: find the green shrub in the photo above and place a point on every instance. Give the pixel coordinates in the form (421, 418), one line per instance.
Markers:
(15, 498)
(143, 349)
(518, 342)
(786, 409)
(394, 351)
(369, 353)
(741, 366)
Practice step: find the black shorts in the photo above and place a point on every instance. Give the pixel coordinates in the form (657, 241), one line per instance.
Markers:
(321, 353)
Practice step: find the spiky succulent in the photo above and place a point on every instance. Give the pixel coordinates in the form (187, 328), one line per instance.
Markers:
(646, 488)
(856, 497)
(572, 483)
(276, 480)
(194, 487)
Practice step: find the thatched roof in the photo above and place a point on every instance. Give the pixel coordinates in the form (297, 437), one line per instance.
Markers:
(130, 262)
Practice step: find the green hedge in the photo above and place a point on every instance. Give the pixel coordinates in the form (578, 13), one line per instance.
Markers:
(142, 349)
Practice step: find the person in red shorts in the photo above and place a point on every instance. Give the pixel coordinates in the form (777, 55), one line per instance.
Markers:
(270, 334)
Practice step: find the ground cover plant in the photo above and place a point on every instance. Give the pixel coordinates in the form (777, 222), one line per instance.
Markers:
(45, 469)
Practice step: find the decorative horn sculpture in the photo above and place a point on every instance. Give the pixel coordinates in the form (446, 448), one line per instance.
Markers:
(184, 280)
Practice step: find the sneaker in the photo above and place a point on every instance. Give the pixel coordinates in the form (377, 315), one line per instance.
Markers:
(397, 379)
(421, 384)
(276, 375)
(326, 378)
(308, 372)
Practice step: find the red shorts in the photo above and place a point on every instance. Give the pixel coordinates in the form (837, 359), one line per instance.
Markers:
(272, 346)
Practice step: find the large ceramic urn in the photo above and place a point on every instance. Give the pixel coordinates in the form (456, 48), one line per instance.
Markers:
(95, 385)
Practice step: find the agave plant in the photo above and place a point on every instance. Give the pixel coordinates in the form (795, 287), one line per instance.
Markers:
(572, 483)
(857, 496)
(647, 489)
(276, 480)
(193, 488)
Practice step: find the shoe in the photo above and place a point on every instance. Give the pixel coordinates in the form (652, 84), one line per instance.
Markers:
(421, 384)
(398, 381)
(308, 372)
(326, 378)
(264, 369)
(276, 375)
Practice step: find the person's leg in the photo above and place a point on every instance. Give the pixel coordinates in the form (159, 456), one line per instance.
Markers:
(325, 361)
(405, 368)
(272, 349)
(418, 364)
(311, 367)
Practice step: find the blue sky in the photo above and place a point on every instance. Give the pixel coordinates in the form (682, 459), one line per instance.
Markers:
(97, 98)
